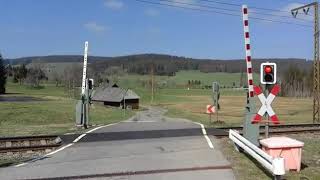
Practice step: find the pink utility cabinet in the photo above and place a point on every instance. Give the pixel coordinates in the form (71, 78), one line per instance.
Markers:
(289, 149)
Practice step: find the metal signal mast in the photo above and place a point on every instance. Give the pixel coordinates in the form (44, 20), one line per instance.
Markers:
(316, 68)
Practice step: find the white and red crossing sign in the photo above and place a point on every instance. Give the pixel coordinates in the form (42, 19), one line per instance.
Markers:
(211, 109)
(266, 104)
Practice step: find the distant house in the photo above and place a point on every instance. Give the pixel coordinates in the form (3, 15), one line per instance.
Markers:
(117, 97)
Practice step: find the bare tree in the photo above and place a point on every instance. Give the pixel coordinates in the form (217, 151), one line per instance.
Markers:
(296, 82)
(113, 73)
(56, 77)
(72, 78)
(34, 75)
(19, 73)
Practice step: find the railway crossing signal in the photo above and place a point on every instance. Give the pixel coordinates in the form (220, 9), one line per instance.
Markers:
(268, 73)
(90, 84)
(266, 104)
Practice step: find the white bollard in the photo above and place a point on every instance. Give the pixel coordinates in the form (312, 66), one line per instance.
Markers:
(278, 166)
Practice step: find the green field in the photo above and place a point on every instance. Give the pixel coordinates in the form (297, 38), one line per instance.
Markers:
(54, 114)
(190, 104)
(182, 77)
(224, 79)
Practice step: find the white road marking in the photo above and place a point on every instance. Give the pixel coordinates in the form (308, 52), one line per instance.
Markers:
(68, 145)
(60, 149)
(204, 132)
(209, 141)
(22, 164)
(78, 138)
(90, 131)
(53, 152)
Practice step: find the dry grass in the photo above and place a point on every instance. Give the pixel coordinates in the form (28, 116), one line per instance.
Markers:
(289, 110)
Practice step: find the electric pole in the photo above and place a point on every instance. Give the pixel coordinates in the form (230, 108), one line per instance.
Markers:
(316, 75)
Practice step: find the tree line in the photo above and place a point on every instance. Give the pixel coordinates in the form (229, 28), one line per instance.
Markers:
(295, 74)
(164, 64)
(31, 76)
(297, 82)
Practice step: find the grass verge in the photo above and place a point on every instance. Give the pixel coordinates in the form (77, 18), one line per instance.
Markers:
(246, 168)
(289, 110)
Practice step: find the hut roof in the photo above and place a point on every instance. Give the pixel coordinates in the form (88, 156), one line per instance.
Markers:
(114, 94)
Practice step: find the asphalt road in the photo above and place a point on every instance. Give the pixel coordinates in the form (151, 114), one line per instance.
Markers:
(95, 156)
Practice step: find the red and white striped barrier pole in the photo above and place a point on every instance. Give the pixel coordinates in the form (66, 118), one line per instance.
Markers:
(250, 131)
(248, 49)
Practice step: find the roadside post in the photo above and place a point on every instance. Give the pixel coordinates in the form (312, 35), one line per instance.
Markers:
(210, 110)
(216, 97)
(124, 102)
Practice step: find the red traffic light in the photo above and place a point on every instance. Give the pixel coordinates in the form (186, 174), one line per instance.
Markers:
(267, 69)
(268, 73)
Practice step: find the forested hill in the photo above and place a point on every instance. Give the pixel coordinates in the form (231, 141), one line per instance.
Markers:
(164, 64)
(53, 59)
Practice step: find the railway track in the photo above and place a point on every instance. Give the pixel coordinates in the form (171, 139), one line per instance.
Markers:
(304, 125)
(48, 143)
(29, 144)
(283, 129)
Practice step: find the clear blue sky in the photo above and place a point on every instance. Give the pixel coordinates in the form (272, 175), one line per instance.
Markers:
(122, 27)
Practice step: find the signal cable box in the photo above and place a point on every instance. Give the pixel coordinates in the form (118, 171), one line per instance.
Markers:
(289, 149)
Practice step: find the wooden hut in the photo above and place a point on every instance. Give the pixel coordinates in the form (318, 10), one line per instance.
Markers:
(117, 97)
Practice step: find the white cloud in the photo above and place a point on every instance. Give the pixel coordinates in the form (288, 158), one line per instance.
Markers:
(183, 3)
(151, 12)
(94, 27)
(180, 3)
(114, 4)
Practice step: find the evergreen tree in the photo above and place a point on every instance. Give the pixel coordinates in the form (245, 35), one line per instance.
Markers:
(3, 76)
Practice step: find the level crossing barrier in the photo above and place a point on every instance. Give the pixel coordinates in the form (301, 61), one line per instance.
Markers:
(273, 165)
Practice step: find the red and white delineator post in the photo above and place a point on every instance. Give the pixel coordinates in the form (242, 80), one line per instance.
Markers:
(266, 104)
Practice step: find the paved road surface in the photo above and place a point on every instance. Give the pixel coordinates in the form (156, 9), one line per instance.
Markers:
(186, 157)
